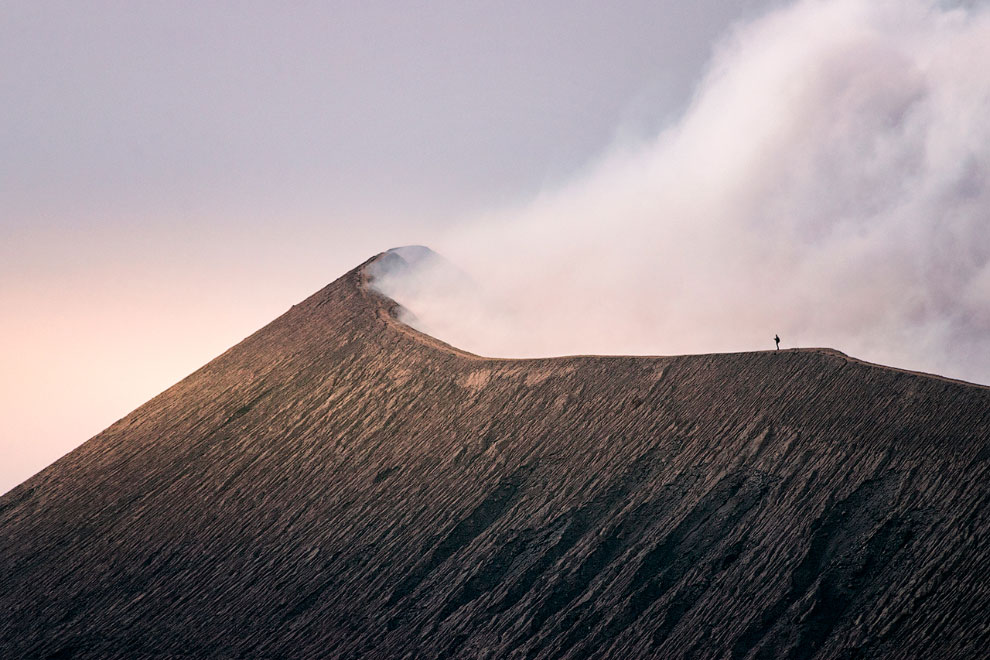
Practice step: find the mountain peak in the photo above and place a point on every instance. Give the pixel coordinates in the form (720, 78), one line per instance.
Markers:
(339, 485)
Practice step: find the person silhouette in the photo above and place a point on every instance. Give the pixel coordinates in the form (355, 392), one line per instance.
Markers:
(776, 338)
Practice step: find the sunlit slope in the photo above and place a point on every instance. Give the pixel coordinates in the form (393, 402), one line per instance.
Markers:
(339, 485)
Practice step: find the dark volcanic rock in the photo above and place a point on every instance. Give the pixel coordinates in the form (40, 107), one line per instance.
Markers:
(338, 485)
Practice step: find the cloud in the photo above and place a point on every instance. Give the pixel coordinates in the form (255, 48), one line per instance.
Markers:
(830, 182)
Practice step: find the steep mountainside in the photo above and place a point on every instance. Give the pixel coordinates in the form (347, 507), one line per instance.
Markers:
(339, 485)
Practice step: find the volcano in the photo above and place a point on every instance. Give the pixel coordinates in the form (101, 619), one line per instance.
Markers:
(339, 485)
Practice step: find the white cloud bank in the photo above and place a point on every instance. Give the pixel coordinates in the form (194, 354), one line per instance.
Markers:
(830, 182)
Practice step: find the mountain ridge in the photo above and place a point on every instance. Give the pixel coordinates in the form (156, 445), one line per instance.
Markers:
(392, 307)
(340, 485)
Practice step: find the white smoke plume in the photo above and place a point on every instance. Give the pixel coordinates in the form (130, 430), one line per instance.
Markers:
(830, 182)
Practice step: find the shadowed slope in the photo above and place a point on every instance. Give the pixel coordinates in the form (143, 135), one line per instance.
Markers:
(339, 485)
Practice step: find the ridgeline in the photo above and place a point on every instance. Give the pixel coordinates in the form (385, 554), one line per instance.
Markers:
(339, 485)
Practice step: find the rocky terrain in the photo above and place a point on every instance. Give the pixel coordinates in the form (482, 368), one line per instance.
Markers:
(338, 485)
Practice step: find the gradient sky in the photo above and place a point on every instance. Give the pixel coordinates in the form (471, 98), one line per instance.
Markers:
(175, 174)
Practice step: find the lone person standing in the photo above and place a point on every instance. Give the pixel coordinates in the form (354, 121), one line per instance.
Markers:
(776, 338)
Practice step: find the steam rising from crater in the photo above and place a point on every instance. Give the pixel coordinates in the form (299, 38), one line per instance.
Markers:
(830, 182)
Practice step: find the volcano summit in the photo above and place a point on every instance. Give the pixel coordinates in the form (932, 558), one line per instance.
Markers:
(339, 485)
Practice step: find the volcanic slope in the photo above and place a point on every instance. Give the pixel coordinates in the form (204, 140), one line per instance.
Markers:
(338, 485)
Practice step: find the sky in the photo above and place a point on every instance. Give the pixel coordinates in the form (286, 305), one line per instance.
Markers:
(173, 175)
